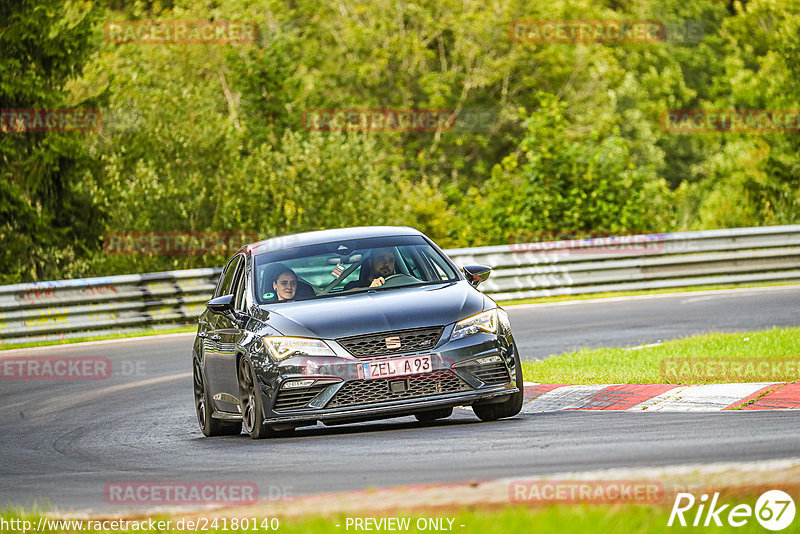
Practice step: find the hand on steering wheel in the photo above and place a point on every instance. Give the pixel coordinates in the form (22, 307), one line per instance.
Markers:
(381, 280)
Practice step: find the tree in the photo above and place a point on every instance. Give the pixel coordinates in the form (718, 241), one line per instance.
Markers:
(557, 181)
(752, 179)
(47, 217)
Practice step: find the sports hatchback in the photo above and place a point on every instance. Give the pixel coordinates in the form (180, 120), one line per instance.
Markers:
(348, 325)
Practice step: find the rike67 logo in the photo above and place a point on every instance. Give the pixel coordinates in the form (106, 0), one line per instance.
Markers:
(774, 511)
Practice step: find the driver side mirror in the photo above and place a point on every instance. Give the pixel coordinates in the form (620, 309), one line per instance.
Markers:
(222, 305)
(476, 274)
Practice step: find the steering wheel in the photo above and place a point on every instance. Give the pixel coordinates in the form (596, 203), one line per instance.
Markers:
(397, 279)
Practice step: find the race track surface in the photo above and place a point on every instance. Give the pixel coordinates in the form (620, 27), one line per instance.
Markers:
(63, 441)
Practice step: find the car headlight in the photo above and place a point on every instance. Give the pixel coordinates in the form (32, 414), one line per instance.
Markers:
(281, 347)
(482, 322)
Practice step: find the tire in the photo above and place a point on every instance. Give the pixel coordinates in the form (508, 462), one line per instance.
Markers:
(432, 415)
(252, 409)
(203, 406)
(509, 407)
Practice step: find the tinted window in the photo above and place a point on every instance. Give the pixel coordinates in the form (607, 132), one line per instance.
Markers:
(239, 285)
(327, 269)
(228, 276)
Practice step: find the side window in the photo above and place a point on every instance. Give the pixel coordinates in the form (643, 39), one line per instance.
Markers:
(436, 264)
(228, 276)
(410, 255)
(239, 285)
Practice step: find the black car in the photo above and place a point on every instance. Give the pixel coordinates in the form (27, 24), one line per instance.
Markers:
(349, 325)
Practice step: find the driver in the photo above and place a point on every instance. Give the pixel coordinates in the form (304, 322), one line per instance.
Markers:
(284, 283)
(377, 267)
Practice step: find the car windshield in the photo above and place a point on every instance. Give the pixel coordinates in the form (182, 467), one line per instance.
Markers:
(345, 267)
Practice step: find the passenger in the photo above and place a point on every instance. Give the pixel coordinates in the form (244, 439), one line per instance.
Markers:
(375, 269)
(284, 284)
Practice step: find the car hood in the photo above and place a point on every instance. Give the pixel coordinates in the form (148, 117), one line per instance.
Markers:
(378, 311)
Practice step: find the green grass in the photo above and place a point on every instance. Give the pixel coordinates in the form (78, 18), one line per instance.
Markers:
(123, 335)
(591, 296)
(616, 518)
(666, 364)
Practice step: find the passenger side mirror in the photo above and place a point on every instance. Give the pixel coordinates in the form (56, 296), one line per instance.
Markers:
(222, 305)
(477, 273)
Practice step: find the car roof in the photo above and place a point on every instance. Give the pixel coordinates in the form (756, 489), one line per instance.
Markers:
(326, 236)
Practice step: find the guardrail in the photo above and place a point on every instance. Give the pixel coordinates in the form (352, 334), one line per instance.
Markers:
(627, 263)
(92, 306)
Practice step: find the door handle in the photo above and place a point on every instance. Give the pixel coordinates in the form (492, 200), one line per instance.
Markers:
(215, 337)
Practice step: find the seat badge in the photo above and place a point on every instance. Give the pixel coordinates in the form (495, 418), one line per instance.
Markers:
(393, 342)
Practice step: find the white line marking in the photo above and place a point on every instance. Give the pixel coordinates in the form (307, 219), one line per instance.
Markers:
(639, 347)
(562, 398)
(601, 300)
(71, 401)
(13, 352)
(702, 398)
(700, 299)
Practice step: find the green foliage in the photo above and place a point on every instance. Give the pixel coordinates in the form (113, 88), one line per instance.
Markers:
(753, 180)
(47, 218)
(210, 137)
(559, 181)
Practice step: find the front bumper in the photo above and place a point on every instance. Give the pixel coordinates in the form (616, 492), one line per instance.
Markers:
(395, 408)
(467, 371)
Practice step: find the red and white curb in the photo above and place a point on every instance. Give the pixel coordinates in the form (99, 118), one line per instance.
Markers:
(662, 397)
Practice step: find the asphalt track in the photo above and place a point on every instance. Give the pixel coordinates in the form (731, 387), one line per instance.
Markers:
(63, 441)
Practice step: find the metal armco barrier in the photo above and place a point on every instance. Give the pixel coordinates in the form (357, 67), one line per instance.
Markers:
(653, 261)
(93, 306)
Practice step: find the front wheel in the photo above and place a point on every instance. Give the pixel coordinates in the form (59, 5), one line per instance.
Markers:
(508, 408)
(252, 409)
(252, 412)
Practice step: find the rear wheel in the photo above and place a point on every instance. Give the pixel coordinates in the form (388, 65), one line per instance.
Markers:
(432, 415)
(204, 408)
(508, 408)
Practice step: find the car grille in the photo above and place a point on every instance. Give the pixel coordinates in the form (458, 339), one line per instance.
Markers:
(371, 391)
(413, 340)
(292, 399)
(493, 373)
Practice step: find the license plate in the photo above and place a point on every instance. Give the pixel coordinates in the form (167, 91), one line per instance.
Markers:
(394, 368)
